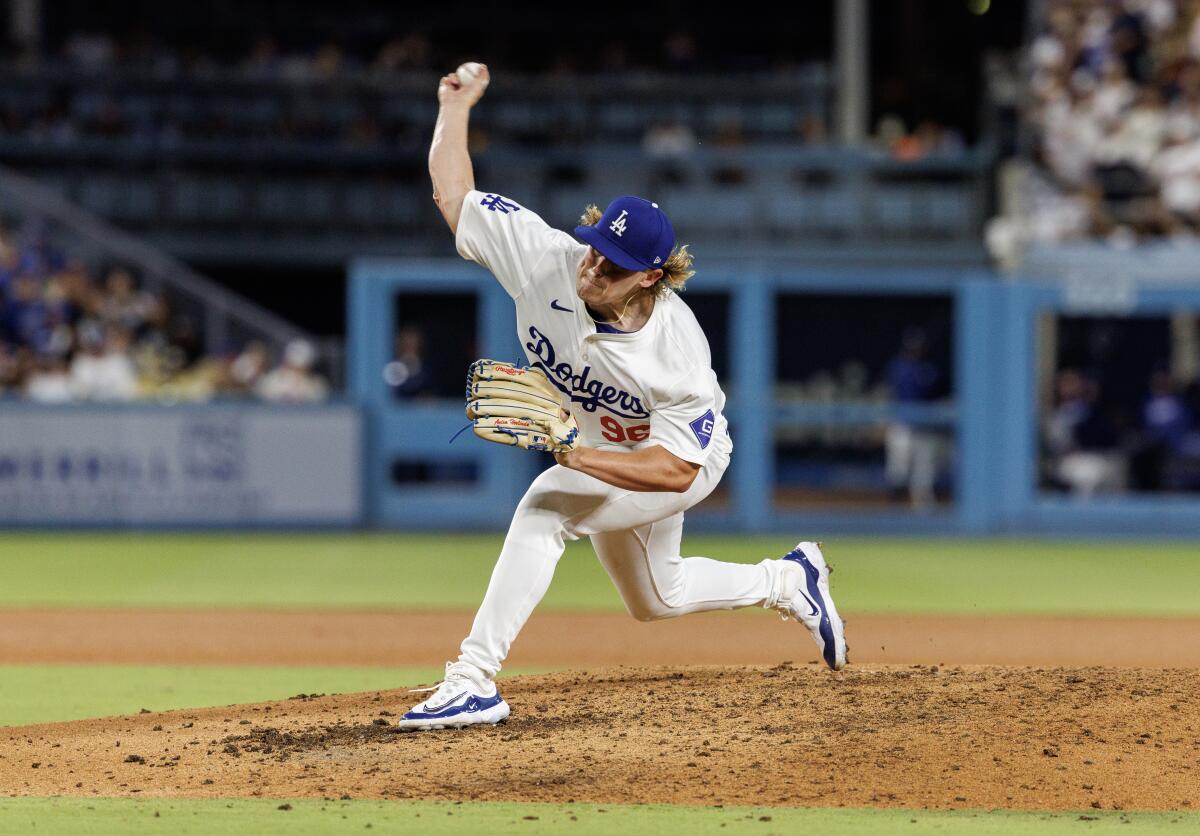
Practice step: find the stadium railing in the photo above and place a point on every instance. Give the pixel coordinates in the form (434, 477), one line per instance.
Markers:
(329, 207)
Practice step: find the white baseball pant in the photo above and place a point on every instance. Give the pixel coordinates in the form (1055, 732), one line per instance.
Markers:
(635, 534)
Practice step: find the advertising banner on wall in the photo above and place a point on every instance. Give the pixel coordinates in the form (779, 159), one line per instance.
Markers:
(196, 465)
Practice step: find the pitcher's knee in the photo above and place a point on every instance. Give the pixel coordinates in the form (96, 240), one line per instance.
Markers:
(651, 609)
(647, 613)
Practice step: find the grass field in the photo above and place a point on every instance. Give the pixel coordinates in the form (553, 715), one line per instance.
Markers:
(230, 818)
(450, 571)
(437, 571)
(51, 693)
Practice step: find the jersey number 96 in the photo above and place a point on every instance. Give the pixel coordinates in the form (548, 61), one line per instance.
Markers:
(615, 432)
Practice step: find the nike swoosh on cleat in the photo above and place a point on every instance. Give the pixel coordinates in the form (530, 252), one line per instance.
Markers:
(434, 708)
(557, 307)
(815, 611)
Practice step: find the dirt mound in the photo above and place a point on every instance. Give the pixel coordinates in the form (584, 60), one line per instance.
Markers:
(975, 737)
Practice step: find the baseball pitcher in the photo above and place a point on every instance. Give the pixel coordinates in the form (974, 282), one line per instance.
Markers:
(620, 388)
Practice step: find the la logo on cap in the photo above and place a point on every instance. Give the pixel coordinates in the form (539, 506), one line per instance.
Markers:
(618, 226)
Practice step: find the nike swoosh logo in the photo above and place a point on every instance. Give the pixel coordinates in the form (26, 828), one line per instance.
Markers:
(557, 307)
(448, 703)
(810, 603)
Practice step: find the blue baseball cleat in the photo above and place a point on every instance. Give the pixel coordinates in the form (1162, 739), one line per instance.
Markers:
(804, 570)
(463, 699)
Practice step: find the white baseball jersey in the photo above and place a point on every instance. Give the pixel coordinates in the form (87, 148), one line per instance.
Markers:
(654, 386)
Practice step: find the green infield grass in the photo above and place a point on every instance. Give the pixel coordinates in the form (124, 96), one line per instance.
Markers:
(52, 693)
(397, 571)
(295, 817)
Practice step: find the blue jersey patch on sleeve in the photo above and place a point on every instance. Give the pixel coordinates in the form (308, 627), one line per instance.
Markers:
(703, 428)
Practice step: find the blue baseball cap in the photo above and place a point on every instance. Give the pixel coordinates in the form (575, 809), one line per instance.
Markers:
(633, 233)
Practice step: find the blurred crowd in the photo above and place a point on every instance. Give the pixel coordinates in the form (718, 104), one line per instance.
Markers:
(267, 57)
(1093, 443)
(329, 93)
(69, 333)
(928, 139)
(1114, 118)
(362, 97)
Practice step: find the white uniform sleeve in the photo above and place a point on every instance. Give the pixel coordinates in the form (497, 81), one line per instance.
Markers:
(686, 425)
(504, 237)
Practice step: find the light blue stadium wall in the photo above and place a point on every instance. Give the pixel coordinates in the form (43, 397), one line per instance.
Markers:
(147, 465)
(993, 418)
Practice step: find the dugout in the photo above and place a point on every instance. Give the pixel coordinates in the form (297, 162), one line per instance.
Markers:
(989, 412)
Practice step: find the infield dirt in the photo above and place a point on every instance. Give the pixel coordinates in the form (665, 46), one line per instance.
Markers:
(578, 640)
(936, 712)
(922, 736)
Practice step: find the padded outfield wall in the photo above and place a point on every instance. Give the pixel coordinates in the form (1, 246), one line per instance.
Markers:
(344, 464)
(989, 418)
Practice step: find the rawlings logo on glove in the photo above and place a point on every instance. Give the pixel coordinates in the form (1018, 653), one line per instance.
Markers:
(518, 407)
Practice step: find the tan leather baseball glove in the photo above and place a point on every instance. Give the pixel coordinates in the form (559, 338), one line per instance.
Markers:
(518, 406)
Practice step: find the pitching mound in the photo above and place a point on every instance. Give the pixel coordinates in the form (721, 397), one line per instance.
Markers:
(973, 737)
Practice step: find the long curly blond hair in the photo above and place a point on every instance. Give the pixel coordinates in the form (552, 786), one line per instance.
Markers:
(676, 270)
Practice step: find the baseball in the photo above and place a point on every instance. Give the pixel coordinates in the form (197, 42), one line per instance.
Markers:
(469, 71)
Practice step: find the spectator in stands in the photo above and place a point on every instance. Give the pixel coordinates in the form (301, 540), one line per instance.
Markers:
(123, 305)
(248, 368)
(669, 139)
(25, 313)
(1184, 111)
(409, 374)
(10, 257)
(294, 380)
(407, 52)
(1114, 93)
(1129, 42)
(929, 139)
(911, 451)
(184, 336)
(1071, 135)
(61, 313)
(1177, 171)
(11, 367)
(38, 255)
(50, 380)
(1166, 422)
(729, 136)
(103, 369)
(1137, 138)
(1081, 440)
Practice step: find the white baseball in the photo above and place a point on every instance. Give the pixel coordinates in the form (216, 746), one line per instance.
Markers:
(469, 71)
